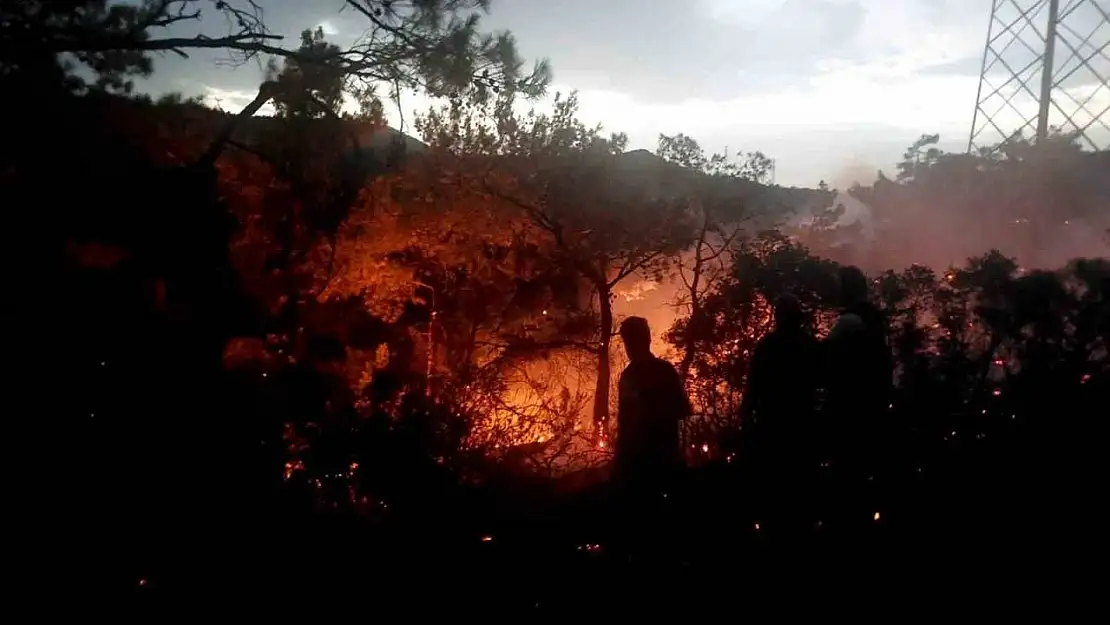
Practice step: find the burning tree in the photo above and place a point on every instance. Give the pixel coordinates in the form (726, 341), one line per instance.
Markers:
(723, 211)
(591, 207)
(173, 294)
(478, 292)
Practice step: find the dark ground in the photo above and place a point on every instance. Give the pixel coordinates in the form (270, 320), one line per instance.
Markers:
(957, 543)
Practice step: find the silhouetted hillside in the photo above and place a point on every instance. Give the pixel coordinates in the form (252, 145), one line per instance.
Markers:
(771, 202)
(200, 124)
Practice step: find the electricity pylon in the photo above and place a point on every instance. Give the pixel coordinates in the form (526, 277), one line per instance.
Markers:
(1063, 43)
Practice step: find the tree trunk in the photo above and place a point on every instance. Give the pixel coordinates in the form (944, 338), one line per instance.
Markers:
(601, 389)
(693, 326)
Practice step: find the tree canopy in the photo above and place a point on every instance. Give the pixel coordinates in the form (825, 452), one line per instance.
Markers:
(433, 45)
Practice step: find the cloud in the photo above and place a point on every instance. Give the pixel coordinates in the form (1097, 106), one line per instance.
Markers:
(817, 84)
(848, 114)
(835, 98)
(232, 100)
(660, 51)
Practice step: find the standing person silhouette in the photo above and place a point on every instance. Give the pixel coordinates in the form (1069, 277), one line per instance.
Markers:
(782, 380)
(651, 405)
(858, 358)
(777, 414)
(859, 368)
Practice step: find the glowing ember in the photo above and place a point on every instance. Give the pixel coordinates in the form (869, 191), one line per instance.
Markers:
(292, 467)
(487, 538)
(876, 517)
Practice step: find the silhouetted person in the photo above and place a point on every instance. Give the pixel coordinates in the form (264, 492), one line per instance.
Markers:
(859, 361)
(782, 379)
(858, 370)
(777, 414)
(651, 404)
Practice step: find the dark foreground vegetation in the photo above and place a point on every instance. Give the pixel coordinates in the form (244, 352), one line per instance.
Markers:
(303, 357)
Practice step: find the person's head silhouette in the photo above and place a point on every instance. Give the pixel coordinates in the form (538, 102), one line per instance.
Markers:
(636, 336)
(853, 286)
(788, 312)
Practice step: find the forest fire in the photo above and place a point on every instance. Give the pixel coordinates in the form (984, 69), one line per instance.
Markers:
(542, 401)
(305, 353)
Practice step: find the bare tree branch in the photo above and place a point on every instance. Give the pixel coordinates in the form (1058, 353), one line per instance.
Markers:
(265, 93)
(634, 265)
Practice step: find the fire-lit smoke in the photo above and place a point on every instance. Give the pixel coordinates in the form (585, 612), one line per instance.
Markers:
(654, 301)
(938, 236)
(914, 229)
(946, 224)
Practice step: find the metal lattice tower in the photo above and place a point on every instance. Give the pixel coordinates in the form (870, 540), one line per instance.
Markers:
(1046, 66)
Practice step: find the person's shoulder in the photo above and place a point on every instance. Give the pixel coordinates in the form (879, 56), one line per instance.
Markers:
(853, 316)
(849, 321)
(626, 373)
(766, 344)
(870, 313)
(776, 337)
(656, 368)
(663, 365)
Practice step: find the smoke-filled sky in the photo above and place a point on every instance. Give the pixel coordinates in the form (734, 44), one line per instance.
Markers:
(832, 89)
